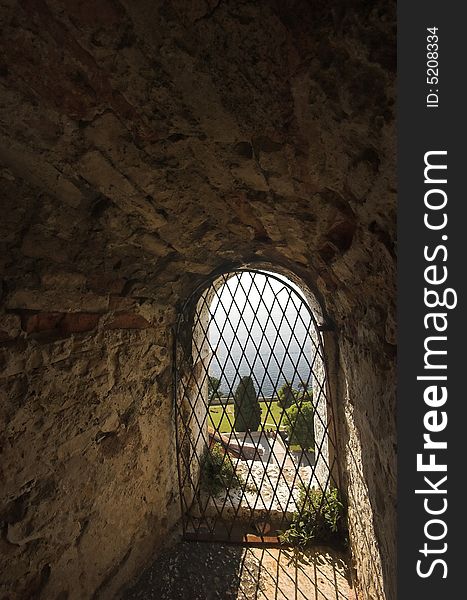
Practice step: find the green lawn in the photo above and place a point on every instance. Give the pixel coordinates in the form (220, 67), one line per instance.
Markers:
(223, 421)
(220, 420)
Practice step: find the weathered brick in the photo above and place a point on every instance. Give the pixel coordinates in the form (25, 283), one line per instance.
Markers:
(127, 320)
(78, 322)
(36, 322)
(120, 303)
(105, 284)
(64, 323)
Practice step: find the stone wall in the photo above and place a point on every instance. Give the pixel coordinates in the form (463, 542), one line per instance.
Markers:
(143, 146)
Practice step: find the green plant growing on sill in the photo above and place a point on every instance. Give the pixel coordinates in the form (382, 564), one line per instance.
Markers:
(217, 471)
(320, 519)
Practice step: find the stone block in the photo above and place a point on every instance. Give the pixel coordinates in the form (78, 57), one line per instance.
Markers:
(127, 320)
(56, 301)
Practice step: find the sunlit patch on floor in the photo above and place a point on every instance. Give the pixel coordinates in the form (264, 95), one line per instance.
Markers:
(202, 571)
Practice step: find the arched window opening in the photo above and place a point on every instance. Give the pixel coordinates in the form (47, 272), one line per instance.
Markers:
(255, 432)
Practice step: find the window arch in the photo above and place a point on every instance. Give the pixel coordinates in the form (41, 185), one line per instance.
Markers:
(255, 431)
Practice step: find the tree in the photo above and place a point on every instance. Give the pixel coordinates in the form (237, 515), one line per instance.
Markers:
(300, 426)
(304, 394)
(286, 396)
(247, 409)
(214, 385)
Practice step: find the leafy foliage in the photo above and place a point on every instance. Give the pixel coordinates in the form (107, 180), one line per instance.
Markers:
(286, 396)
(247, 409)
(217, 471)
(214, 385)
(320, 519)
(300, 426)
(304, 393)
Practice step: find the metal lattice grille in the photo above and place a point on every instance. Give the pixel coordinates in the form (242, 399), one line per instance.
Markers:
(252, 411)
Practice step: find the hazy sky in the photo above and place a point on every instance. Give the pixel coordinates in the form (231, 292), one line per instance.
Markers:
(269, 312)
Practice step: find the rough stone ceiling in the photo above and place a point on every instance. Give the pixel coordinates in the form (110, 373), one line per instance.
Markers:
(170, 138)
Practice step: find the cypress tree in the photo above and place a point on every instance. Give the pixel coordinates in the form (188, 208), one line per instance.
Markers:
(247, 410)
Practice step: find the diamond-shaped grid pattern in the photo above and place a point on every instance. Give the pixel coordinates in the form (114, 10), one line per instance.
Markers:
(252, 410)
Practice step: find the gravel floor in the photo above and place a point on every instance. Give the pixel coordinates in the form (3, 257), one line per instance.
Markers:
(204, 571)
